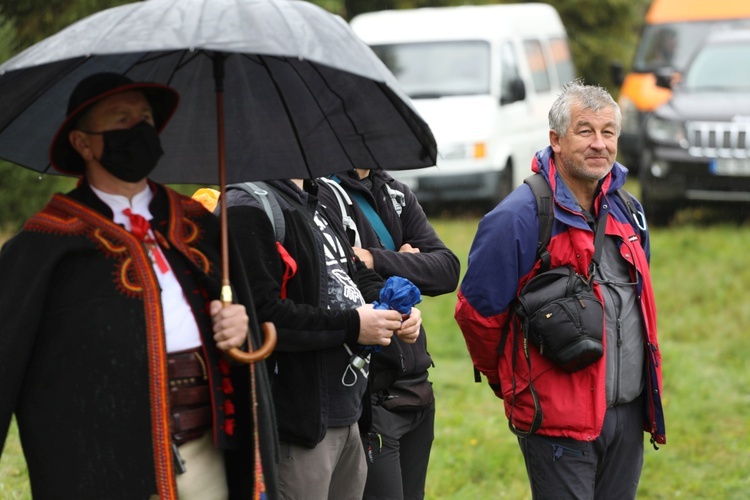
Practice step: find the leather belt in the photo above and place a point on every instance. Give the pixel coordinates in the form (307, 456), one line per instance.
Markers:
(189, 424)
(186, 364)
(189, 395)
(188, 419)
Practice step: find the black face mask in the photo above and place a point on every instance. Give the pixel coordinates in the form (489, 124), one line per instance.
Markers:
(131, 154)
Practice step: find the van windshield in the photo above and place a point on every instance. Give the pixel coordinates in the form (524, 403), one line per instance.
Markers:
(672, 44)
(437, 69)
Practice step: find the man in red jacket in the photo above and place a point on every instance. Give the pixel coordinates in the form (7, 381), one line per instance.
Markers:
(589, 443)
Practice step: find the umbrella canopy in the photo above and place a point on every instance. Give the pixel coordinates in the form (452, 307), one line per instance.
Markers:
(302, 95)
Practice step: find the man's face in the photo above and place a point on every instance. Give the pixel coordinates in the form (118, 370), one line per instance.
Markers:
(589, 148)
(119, 111)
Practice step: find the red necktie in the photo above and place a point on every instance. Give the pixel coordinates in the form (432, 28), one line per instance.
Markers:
(140, 227)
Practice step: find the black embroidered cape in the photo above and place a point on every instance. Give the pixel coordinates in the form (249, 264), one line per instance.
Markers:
(83, 353)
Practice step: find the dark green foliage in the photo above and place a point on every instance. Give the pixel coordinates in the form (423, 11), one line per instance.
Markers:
(601, 32)
(36, 19)
(23, 23)
(7, 37)
(23, 192)
(354, 7)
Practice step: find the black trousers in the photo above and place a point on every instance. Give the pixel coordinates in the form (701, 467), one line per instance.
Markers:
(398, 452)
(607, 468)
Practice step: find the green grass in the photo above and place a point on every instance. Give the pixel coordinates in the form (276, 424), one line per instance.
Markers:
(700, 279)
(14, 481)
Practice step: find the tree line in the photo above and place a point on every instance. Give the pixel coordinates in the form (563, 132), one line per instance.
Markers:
(599, 31)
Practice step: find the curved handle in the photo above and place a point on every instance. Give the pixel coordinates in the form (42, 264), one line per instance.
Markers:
(262, 353)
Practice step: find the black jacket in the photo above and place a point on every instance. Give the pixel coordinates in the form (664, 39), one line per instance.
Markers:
(304, 329)
(435, 269)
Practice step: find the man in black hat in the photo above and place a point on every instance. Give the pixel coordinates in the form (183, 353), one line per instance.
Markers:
(111, 347)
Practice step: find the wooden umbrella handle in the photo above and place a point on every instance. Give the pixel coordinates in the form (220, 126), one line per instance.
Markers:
(226, 291)
(269, 331)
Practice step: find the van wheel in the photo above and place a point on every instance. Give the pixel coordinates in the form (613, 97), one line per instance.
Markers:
(503, 187)
(504, 183)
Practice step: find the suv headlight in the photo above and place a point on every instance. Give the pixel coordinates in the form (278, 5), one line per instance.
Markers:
(666, 131)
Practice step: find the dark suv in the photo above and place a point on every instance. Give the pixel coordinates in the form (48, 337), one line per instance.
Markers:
(697, 149)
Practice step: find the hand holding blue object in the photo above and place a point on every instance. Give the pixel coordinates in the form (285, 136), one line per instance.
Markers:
(398, 294)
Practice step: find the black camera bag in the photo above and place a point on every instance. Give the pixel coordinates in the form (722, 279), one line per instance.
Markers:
(562, 317)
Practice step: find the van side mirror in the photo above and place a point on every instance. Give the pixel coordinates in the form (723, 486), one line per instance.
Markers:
(516, 92)
(617, 73)
(664, 77)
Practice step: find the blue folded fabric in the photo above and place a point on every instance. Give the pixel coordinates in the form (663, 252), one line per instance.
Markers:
(398, 294)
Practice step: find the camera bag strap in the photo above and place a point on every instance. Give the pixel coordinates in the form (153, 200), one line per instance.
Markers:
(544, 210)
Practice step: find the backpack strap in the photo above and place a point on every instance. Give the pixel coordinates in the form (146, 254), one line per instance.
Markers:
(372, 216)
(344, 201)
(536, 421)
(266, 197)
(638, 217)
(398, 199)
(543, 196)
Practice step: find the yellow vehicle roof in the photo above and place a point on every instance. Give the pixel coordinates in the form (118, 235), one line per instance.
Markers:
(669, 11)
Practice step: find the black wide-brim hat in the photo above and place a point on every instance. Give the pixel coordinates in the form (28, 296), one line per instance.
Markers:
(89, 91)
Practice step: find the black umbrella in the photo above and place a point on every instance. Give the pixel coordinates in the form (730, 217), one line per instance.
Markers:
(269, 89)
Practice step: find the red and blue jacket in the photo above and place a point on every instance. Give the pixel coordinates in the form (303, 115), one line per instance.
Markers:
(503, 258)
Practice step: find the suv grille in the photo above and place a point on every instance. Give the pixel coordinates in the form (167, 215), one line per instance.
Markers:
(718, 139)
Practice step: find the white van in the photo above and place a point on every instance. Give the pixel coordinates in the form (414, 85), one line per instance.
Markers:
(484, 78)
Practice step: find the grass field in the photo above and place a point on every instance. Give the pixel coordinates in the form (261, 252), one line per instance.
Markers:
(701, 281)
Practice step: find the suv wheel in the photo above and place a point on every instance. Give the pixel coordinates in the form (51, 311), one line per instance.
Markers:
(658, 213)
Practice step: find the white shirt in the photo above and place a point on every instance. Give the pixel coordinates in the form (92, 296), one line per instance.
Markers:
(180, 326)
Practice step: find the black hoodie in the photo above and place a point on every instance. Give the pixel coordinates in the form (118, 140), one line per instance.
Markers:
(306, 328)
(434, 270)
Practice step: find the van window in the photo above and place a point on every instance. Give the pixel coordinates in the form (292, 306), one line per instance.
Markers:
(561, 59)
(673, 44)
(537, 65)
(508, 69)
(436, 69)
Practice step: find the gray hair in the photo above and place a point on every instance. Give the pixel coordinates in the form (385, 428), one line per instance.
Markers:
(591, 97)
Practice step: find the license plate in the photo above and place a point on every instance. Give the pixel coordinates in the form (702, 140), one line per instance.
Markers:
(730, 166)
